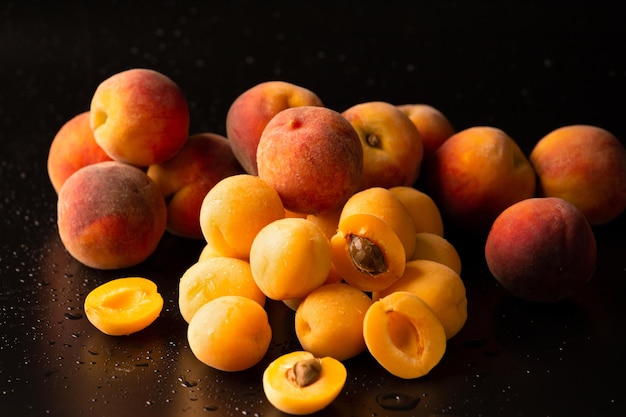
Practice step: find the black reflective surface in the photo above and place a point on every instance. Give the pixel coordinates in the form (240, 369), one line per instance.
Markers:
(525, 67)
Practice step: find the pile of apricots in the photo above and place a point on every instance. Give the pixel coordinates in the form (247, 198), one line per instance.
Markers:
(340, 215)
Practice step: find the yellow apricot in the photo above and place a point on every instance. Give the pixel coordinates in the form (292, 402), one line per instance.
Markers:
(212, 278)
(289, 258)
(423, 209)
(439, 286)
(230, 333)
(367, 253)
(404, 335)
(234, 211)
(123, 306)
(328, 221)
(329, 321)
(299, 383)
(384, 204)
(436, 248)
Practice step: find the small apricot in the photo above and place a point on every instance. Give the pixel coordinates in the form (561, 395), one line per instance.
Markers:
(436, 248)
(404, 335)
(123, 306)
(424, 212)
(299, 383)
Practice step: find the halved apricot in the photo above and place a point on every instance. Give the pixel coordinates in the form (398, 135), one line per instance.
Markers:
(299, 383)
(123, 306)
(404, 335)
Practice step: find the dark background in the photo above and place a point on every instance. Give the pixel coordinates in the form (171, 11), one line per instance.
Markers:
(525, 67)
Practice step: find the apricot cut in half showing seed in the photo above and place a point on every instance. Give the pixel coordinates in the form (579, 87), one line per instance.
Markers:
(299, 383)
(367, 253)
(123, 306)
(404, 335)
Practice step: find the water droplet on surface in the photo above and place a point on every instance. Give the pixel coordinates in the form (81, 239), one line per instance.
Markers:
(71, 316)
(396, 401)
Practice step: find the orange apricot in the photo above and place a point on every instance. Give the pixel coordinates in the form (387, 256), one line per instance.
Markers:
(299, 383)
(404, 335)
(436, 248)
(424, 212)
(230, 333)
(212, 278)
(123, 306)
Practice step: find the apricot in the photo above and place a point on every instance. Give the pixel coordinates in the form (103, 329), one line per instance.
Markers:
(541, 249)
(110, 215)
(312, 156)
(235, 210)
(186, 178)
(434, 127)
(298, 383)
(289, 258)
(439, 286)
(436, 248)
(404, 335)
(367, 253)
(328, 222)
(585, 165)
(212, 278)
(72, 148)
(329, 321)
(424, 212)
(123, 306)
(230, 333)
(250, 112)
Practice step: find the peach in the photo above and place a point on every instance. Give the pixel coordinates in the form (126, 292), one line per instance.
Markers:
(139, 116)
(186, 178)
(585, 165)
(392, 147)
(433, 126)
(476, 174)
(541, 249)
(252, 110)
(110, 215)
(312, 156)
(72, 148)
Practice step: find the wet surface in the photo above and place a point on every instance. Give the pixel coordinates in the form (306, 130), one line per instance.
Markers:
(523, 68)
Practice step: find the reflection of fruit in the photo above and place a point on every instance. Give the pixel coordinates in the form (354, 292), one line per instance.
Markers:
(392, 147)
(541, 249)
(72, 148)
(329, 321)
(433, 126)
(585, 165)
(186, 178)
(477, 173)
(110, 215)
(139, 116)
(123, 306)
(230, 333)
(253, 109)
(312, 156)
(404, 335)
(298, 383)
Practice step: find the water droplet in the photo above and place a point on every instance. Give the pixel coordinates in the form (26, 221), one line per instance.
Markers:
(209, 408)
(71, 316)
(396, 401)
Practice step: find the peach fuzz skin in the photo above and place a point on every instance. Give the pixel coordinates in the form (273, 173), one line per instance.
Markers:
(139, 116)
(254, 108)
(312, 156)
(541, 249)
(72, 148)
(476, 174)
(585, 165)
(186, 178)
(110, 215)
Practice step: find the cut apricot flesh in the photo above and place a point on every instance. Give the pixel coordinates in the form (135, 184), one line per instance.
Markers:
(294, 386)
(123, 306)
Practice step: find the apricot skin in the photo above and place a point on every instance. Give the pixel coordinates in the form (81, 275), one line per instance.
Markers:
(541, 249)
(434, 127)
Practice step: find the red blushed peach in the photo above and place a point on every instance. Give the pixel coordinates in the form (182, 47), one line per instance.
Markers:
(72, 148)
(392, 147)
(541, 249)
(312, 156)
(252, 110)
(186, 178)
(476, 174)
(139, 116)
(585, 165)
(110, 215)
(433, 126)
